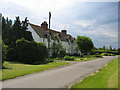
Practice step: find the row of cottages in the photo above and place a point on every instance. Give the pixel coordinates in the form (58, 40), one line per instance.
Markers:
(40, 34)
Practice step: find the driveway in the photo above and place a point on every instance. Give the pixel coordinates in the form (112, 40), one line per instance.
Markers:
(58, 77)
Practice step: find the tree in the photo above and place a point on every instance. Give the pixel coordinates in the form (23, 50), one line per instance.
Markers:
(6, 30)
(11, 33)
(58, 50)
(84, 44)
(104, 48)
(118, 50)
(110, 48)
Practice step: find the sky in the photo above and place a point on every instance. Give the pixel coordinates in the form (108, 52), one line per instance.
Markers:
(97, 19)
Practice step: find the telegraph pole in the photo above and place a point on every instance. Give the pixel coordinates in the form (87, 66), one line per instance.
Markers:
(49, 35)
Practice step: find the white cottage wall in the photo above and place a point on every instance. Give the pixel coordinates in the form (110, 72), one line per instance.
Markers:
(36, 37)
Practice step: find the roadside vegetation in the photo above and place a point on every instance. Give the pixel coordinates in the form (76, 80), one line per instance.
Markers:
(107, 77)
(77, 58)
(14, 69)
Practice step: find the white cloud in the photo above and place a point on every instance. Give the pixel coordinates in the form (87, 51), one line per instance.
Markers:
(85, 23)
(41, 5)
(104, 30)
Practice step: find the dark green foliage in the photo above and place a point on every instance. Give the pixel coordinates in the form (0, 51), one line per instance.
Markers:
(58, 50)
(119, 51)
(28, 52)
(12, 54)
(68, 58)
(102, 51)
(11, 33)
(110, 48)
(4, 52)
(97, 55)
(84, 44)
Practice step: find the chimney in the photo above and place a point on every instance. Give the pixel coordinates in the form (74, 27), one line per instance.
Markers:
(64, 31)
(44, 25)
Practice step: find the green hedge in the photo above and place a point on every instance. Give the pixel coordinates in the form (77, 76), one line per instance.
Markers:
(68, 58)
(102, 51)
(28, 52)
(107, 54)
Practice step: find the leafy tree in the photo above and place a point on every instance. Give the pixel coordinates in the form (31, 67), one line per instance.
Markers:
(18, 30)
(58, 50)
(84, 44)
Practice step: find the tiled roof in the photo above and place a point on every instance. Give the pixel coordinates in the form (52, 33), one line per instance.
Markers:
(42, 32)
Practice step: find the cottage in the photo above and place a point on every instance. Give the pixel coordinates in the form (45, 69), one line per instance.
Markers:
(49, 36)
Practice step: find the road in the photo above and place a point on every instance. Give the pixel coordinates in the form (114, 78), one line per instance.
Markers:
(58, 77)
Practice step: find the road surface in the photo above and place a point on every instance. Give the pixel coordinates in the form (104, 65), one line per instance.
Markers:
(58, 77)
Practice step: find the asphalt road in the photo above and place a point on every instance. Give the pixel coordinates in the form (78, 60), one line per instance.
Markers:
(58, 77)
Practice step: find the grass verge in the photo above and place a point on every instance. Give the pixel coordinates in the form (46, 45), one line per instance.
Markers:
(13, 70)
(107, 77)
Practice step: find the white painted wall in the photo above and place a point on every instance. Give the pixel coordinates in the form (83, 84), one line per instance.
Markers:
(36, 37)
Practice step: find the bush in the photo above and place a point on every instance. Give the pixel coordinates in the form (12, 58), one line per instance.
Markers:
(110, 54)
(28, 52)
(104, 54)
(58, 50)
(4, 52)
(68, 58)
(107, 54)
(97, 55)
(102, 51)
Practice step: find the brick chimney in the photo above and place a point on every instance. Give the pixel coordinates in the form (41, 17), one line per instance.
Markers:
(44, 25)
(64, 31)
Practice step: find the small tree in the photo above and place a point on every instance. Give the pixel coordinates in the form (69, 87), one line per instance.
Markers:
(58, 50)
(84, 44)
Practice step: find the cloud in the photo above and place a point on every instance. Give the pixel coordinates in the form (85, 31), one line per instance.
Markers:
(85, 23)
(97, 20)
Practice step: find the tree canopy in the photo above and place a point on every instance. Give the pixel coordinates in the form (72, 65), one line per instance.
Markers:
(84, 44)
(17, 30)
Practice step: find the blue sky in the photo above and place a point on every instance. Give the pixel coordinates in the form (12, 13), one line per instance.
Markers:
(97, 20)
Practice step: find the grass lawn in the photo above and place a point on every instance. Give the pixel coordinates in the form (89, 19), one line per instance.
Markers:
(107, 77)
(16, 69)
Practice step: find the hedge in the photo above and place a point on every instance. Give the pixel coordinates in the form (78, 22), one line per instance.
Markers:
(102, 51)
(28, 52)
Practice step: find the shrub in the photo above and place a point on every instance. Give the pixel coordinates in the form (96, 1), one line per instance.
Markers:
(107, 54)
(68, 58)
(4, 52)
(110, 54)
(104, 54)
(58, 50)
(98, 56)
(28, 52)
